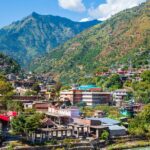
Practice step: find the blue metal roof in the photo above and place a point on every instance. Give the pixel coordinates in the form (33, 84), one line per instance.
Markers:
(87, 87)
(107, 121)
(116, 127)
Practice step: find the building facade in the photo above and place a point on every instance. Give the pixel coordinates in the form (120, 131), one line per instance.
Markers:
(119, 96)
(89, 97)
(68, 112)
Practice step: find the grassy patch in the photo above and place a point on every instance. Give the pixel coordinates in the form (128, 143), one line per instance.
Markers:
(127, 145)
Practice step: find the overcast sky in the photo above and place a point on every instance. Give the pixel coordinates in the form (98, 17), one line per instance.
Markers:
(77, 10)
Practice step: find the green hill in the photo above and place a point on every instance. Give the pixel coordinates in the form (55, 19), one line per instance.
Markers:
(123, 38)
(37, 34)
(8, 65)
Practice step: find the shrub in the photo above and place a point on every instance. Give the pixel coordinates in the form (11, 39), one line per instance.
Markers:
(104, 135)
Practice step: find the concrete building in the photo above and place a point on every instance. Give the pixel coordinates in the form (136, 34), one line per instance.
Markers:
(41, 107)
(116, 130)
(28, 105)
(114, 127)
(86, 127)
(119, 95)
(90, 97)
(105, 121)
(69, 112)
(95, 98)
(62, 116)
(74, 96)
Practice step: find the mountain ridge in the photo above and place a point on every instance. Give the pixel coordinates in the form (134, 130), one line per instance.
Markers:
(37, 34)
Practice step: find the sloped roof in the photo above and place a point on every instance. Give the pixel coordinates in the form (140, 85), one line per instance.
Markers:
(107, 121)
(116, 127)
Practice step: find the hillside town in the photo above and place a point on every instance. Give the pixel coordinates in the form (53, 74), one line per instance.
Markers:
(87, 114)
(75, 74)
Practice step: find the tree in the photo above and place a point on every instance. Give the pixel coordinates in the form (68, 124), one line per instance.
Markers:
(5, 87)
(36, 87)
(104, 135)
(129, 96)
(113, 82)
(15, 106)
(140, 125)
(146, 76)
(2, 77)
(33, 122)
(25, 123)
(65, 87)
(142, 91)
(6, 91)
(58, 86)
(18, 124)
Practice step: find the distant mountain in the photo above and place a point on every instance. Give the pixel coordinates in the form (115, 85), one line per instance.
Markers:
(37, 34)
(8, 65)
(122, 40)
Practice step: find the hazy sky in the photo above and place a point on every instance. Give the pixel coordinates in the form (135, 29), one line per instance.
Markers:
(78, 10)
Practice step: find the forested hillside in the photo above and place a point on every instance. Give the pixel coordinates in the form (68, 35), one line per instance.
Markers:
(122, 39)
(8, 65)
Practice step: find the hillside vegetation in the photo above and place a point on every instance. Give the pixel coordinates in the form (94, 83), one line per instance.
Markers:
(37, 34)
(123, 38)
(8, 65)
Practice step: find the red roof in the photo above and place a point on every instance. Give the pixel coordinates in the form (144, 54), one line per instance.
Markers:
(12, 114)
(4, 118)
(95, 89)
(41, 106)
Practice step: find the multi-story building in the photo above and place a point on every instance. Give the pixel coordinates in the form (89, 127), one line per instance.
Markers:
(119, 96)
(89, 97)
(74, 96)
(95, 98)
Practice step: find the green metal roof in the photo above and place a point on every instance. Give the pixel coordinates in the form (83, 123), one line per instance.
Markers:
(87, 87)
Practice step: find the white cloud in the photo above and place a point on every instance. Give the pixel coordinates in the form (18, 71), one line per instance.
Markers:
(73, 5)
(85, 19)
(111, 7)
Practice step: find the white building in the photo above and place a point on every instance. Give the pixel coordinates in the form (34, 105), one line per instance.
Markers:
(28, 105)
(95, 98)
(69, 112)
(119, 95)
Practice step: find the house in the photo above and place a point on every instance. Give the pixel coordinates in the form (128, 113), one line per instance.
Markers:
(62, 116)
(69, 112)
(119, 96)
(23, 84)
(28, 105)
(88, 127)
(105, 121)
(114, 127)
(41, 106)
(11, 77)
(116, 130)
(27, 98)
